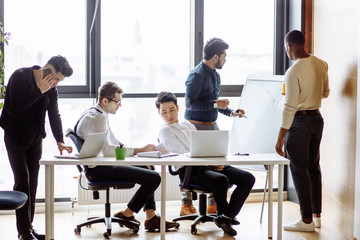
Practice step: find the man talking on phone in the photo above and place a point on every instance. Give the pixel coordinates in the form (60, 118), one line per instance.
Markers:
(30, 93)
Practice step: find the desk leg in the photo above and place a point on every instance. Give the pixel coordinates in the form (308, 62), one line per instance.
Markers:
(163, 201)
(270, 202)
(49, 202)
(280, 201)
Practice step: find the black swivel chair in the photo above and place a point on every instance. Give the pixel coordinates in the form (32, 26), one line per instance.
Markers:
(12, 200)
(186, 186)
(102, 185)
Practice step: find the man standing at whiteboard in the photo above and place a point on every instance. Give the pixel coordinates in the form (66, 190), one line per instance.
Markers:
(301, 129)
(202, 93)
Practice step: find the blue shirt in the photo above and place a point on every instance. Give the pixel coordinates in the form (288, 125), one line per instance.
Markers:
(202, 89)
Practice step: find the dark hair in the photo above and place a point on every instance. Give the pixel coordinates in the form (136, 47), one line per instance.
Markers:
(214, 46)
(60, 64)
(295, 37)
(108, 90)
(165, 97)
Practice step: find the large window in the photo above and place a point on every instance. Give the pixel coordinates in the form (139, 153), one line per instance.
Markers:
(248, 28)
(41, 29)
(145, 44)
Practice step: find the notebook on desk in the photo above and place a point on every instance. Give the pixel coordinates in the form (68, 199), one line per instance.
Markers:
(155, 154)
(90, 148)
(209, 143)
(160, 153)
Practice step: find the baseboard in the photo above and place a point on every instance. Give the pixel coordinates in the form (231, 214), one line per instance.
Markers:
(258, 197)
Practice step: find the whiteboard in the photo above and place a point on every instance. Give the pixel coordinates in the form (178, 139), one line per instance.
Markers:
(263, 102)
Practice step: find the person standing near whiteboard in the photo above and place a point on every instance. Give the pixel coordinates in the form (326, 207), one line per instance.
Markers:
(301, 129)
(202, 95)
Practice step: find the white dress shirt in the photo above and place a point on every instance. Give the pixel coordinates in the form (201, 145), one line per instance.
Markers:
(96, 122)
(306, 83)
(176, 137)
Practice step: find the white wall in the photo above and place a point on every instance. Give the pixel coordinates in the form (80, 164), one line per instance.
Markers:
(357, 161)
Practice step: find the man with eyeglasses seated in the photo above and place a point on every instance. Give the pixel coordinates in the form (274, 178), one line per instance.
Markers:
(95, 120)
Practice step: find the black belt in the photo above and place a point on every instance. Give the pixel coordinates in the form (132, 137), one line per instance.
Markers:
(307, 112)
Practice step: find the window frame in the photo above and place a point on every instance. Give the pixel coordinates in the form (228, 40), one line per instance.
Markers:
(282, 11)
(93, 48)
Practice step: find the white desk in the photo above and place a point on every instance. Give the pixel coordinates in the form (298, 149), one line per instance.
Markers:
(253, 159)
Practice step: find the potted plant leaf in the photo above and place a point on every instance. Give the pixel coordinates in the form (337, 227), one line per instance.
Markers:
(4, 38)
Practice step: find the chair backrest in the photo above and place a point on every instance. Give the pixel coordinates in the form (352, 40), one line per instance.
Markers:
(172, 171)
(78, 141)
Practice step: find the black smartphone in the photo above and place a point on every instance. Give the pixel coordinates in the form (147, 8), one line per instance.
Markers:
(46, 72)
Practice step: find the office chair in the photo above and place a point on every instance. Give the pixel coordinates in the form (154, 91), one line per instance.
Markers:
(186, 186)
(102, 185)
(12, 200)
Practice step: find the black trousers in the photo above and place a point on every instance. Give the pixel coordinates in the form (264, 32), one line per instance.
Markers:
(148, 179)
(219, 181)
(24, 159)
(302, 143)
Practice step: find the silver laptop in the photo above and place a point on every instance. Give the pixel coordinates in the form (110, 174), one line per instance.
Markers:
(209, 143)
(90, 148)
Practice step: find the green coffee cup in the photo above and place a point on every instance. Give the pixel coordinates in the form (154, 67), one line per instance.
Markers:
(120, 153)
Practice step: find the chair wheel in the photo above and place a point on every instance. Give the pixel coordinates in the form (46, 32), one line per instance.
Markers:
(106, 235)
(193, 230)
(135, 230)
(77, 231)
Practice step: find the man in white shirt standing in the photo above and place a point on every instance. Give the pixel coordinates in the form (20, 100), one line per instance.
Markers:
(301, 129)
(95, 120)
(175, 136)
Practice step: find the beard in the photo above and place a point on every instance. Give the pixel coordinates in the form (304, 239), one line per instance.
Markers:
(219, 65)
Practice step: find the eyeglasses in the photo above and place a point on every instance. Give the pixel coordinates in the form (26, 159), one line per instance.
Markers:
(112, 100)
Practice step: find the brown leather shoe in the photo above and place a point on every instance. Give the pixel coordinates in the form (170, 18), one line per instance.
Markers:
(154, 224)
(121, 215)
(187, 210)
(212, 208)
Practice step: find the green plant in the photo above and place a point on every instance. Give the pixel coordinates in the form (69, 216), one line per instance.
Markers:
(4, 38)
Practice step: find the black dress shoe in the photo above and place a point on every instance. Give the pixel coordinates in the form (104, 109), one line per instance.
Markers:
(37, 235)
(234, 221)
(225, 224)
(29, 236)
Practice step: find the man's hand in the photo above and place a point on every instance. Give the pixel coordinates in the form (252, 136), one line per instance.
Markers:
(63, 147)
(280, 142)
(279, 147)
(222, 103)
(146, 148)
(149, 147)
(46, 83)
(238, 113)
(219, 167)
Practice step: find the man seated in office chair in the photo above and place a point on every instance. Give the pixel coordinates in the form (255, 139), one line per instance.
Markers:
(95, 120)
(175, 136)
